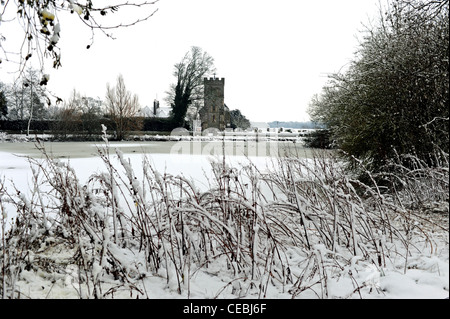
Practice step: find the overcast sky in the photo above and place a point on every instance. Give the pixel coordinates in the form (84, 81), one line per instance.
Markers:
(274, 55)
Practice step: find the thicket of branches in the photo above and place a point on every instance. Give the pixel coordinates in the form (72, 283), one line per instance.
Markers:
(77, 118)
(393, 98)
(188, 89)
(299, 226)
(29, 38)
(40, 23)
(122, 106)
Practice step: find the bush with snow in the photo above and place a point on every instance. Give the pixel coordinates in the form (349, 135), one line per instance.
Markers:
(298, 229)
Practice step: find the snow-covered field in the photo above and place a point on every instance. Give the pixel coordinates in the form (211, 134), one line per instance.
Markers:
(412, 267)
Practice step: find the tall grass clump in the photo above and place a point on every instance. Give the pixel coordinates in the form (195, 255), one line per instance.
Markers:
(298, 226)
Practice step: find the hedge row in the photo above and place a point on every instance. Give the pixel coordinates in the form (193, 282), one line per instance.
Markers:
(89, 126)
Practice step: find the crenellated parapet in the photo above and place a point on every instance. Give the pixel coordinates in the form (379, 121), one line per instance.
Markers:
(214, 80)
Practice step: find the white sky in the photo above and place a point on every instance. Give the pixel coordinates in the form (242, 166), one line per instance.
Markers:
(274, 55)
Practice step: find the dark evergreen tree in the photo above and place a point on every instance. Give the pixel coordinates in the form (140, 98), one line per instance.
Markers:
(238, 120)
(319, 139)
(190, 72)
(181, 103)
(3, 104)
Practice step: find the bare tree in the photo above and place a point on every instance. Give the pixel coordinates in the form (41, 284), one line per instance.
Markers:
(26, 99)
(41, 22)
(188, 90)
(79, 117)
(121, 105)
(67, 117)
(35, 94)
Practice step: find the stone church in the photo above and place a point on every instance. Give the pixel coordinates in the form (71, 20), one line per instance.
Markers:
(214, 113)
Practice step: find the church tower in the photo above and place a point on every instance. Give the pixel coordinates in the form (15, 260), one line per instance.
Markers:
(213, 113)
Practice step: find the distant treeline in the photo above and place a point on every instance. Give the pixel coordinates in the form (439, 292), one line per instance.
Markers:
(85, 129)
(296, 125)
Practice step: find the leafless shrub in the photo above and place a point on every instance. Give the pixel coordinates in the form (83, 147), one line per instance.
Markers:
(296, 225)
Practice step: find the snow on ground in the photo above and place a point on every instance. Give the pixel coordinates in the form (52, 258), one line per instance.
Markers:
(426, 277)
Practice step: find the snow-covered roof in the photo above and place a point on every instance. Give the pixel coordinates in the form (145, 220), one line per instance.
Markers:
(145, 111)
(160, 112)
(163, 112)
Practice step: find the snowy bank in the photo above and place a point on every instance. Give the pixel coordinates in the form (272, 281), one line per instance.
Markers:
(187, 226)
